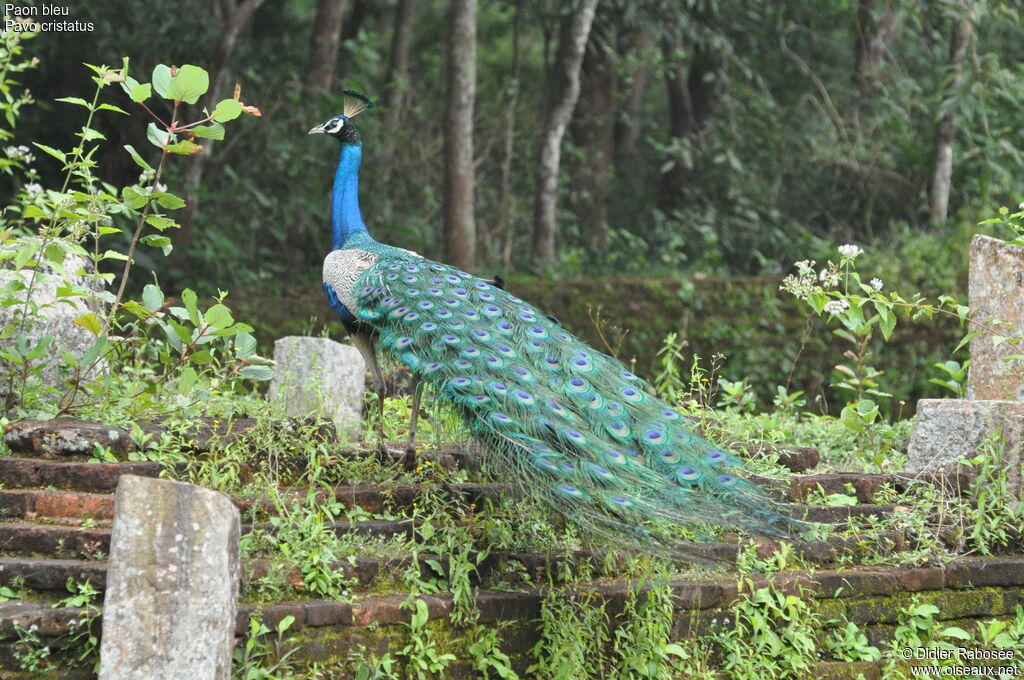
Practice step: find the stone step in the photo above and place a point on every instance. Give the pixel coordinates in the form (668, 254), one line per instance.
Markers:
(28, 473)
(866, 486)
(33, 503)
(965, 590)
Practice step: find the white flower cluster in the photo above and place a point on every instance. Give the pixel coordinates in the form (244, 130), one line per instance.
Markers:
(21, 153)
(829, 277)
(836, 307)
(803, 282)
(850, 251)
(876, 283)
(33, 189)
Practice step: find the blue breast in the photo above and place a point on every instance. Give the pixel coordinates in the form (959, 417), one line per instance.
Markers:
(340, 309)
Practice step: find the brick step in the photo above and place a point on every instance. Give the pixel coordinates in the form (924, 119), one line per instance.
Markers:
(866, 486)
(965, 590)
(71, 438)
(34, 503)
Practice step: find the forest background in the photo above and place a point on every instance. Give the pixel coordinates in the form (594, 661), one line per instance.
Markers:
(713, 144)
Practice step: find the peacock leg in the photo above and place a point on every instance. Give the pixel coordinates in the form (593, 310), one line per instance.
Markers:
(363, 341)
(409, 457)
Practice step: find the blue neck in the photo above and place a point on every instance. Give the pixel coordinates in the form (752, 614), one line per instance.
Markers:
(346, 219)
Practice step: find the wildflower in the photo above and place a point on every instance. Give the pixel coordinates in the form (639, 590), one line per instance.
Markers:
(876, 284)
(850, 251)
(21, 152)
(33, 189)
(836, 307)
(829, 278)
(161, 187)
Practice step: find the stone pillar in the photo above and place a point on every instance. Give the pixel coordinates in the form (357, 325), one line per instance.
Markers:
(950, 430)
(996, 290)
(172, 583)
(319, 375)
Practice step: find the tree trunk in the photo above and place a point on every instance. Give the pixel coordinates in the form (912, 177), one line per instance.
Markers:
(323, 53)
(398, 62)
(503, 232)
(872, 33)
(459, 224)
(350, 27)
(563, 92)
(628, 131)
(593, 133)
(235, 22)
(691, 100)
(942, 172)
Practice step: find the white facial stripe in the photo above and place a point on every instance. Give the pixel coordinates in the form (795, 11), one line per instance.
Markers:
(335, 125)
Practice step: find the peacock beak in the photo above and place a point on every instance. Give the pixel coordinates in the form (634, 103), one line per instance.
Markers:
(317, 129)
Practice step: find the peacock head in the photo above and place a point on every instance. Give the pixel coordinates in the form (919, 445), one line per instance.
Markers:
(340, 127)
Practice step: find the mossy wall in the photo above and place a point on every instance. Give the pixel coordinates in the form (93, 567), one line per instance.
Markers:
(764, 334)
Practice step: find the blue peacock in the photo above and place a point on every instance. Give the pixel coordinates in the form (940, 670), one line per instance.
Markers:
(571, 426)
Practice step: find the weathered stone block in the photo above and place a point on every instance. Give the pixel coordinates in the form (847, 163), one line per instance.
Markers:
(949, 430)
(172, 584)
(319, 375)
(57, 311)
(996, 290)
(65, 437)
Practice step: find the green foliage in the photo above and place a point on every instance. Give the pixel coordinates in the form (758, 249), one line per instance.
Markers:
(574, 629)
(265, 654)
(642, 644)
(772, 635)
(168, 350)
(78, 648)
(423, 655)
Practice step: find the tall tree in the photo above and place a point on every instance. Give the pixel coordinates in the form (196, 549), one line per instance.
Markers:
(562, 94)
(593, 132)
(691, 98)
(398, 61)
(237, 15)
(323, 51)
(945, 136)
(459, 174)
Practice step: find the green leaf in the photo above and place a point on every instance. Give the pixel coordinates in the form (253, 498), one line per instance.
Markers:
(111, 107)
(956, 632)
(226, 109)
(152, 297)
(161, 223)
(158, 137)
(88, 134)
(214, 131)
(59, 155)
(219, 316)
(187, 379)
(90, 322)
(141, 93)
(169, 201)
(114, 255)
(189, 84)
(202, 357)
(157, 241)
(132, 198)
(161, 79)
(139, 161)
(256, 372)
(73, 100)
(133, 307)
(190, 300)
(184, 148)
(245, 345)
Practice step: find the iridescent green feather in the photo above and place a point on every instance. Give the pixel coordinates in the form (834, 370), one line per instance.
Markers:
(570, 425)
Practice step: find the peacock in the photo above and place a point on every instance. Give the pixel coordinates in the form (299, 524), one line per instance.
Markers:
(571, 426)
